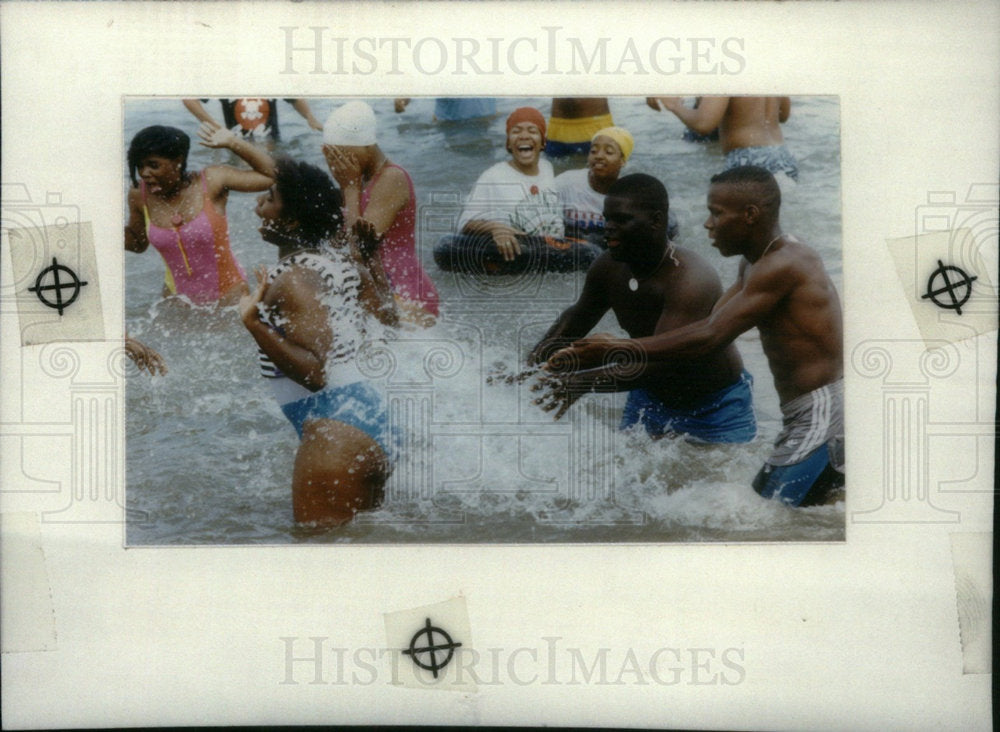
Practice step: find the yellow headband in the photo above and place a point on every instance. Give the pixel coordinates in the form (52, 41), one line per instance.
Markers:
(621, 136)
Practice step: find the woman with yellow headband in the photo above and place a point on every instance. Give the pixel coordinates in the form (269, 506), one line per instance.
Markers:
(581, 192)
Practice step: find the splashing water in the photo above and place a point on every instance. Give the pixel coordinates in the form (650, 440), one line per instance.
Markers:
(209, 453)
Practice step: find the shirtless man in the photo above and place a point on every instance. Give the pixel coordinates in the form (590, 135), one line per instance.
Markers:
(653, 287)
(784, 291)
(749, 128)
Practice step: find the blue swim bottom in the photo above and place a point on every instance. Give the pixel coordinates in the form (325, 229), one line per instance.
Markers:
(725, 416)
(806, 483)
(359, 404)
(773, 158)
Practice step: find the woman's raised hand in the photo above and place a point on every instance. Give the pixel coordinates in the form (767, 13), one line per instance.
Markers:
(214, 135)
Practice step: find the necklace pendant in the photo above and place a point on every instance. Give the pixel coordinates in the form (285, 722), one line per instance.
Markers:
(176, 220)
(633, 284)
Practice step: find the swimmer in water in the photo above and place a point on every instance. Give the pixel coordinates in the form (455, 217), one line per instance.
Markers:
(785, 292)
(310, 316)
(749, 129)
(183, 213)
(516, 197)
(380, 192)
(582, 191)
(653, 288)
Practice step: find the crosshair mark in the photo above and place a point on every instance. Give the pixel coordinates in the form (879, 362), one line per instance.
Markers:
(432, 648)
(950, 287)
(57, 286)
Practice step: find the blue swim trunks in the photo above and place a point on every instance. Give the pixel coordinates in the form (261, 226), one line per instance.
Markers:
(359, 405)
(773, 158)
(725, 416)
(802, 484)
(807, 462)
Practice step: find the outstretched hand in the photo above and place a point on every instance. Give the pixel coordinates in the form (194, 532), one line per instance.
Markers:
(249, 310)
(214, 135)
(560, 392)
(144, 357)
(500, 375)
(586, 353)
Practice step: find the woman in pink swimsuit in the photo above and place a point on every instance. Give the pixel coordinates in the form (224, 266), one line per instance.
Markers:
(380, 192)
(183, 214)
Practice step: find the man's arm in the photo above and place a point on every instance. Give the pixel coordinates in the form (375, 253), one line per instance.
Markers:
(302, 107)
(784, 109)
(764, 288)
(733, 289)
(195, 107)
(578, 319)
(702, 119)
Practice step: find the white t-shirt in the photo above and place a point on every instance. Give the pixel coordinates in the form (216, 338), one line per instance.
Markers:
(582, 206)
(508, 196)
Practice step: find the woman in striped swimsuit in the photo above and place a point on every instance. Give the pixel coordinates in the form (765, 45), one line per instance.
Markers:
(310, 315)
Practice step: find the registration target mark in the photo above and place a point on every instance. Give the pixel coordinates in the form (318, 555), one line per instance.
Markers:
(426, 655)
(57, 286)
(949, 286)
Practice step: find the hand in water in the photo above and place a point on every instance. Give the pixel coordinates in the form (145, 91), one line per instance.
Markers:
(561, 392)
(249, 304)
(214, 135)
(500, 375)
(144, 357)
(344, 167)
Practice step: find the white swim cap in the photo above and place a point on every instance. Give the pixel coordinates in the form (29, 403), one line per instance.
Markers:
(351, 124)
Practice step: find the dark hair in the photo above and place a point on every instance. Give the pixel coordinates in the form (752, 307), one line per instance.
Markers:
(644, 189)
(755, 181)
(309, 197)
(167, 142)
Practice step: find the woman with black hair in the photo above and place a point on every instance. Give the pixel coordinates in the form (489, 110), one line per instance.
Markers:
(310, 315)
(183, 214)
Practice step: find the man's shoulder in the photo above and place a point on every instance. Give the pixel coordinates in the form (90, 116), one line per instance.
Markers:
(693, 266)
(800, 256)
(606, 269)
(793, 264)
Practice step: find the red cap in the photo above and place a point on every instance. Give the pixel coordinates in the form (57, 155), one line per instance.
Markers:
(527, 114)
